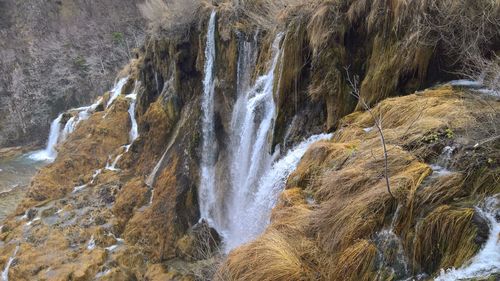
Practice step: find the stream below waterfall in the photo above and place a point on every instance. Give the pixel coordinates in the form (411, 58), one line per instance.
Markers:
(15, 175)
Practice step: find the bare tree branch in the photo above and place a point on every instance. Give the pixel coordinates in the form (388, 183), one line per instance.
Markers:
(354, 83)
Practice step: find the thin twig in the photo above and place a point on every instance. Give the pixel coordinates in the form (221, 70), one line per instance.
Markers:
(378, 123)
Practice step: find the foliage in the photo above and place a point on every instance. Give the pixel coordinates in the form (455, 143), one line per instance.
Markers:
(117, 37)
(81, 63)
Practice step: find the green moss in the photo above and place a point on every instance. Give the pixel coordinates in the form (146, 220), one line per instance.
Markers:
(449, 133)
(118, 37)
(81, 63)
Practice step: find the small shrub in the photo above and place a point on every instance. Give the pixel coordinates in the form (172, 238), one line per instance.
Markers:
(81, 63)
(449, 133)
(117, 37)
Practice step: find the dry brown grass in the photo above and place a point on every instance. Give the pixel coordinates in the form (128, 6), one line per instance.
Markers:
(402, 37)
(332, 239)
(435, 248)
(272, 257)
(169, 14)
(356, 262)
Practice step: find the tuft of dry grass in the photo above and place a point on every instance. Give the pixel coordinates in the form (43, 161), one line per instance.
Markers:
(169, 14)
(435, 248)
(273, 257)
(356, 262)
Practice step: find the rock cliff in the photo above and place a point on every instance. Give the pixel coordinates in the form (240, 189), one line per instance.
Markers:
(115, 208)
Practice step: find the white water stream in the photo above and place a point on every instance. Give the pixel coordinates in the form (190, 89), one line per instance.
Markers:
(116, 91)
(207, 192)
(487, 261)
(133, 133)
(5, 272)
(255, 210)
(50, 153)
(252, 121)
(256, 177)
(58, 135)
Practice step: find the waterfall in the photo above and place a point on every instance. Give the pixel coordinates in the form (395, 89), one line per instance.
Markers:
(390, 251)
(5, 272)
(69, 128)
(207, 192)
(487, 261)
(134, 132)
(255, 179)
(50, 152)
(255, 209)
(116, 91)
(56, 135)
(252, 120)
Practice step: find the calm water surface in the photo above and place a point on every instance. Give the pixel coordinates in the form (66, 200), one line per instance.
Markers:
(15, 176)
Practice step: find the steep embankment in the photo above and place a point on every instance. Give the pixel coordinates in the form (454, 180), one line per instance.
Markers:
(229, 107)
(337, 221)
(55, 55)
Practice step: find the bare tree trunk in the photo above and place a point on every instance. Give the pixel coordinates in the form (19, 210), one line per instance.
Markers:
(378, 123)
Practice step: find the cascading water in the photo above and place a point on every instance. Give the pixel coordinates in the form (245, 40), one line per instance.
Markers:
(252, 120)
(50, 152)
(69, 128)
(5, 272)
(255, 181)
(83, 114)
(116, 91)
(57, 135)
(207, 192)
(487, 261)
(256, 208)
(440, 168)
(390, 252)
(134, 132)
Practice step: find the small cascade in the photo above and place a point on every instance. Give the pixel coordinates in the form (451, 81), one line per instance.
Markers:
(255, 211)
(5, 272)
(111, 166)
(94, 177)
(134, 132)
(475, 85)
(391, 257)
(207, 192)
(152, 176)
(69, 128)
(83, 114)
(116, 91)
(442, 164)
(50, 152)
(91, 244)
(57, 136)
(487, 261)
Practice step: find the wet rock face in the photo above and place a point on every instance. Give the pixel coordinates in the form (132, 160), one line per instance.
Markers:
(55, 55)
(200, 243)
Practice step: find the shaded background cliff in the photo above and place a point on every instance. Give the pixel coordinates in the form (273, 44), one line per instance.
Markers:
(58, 54)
